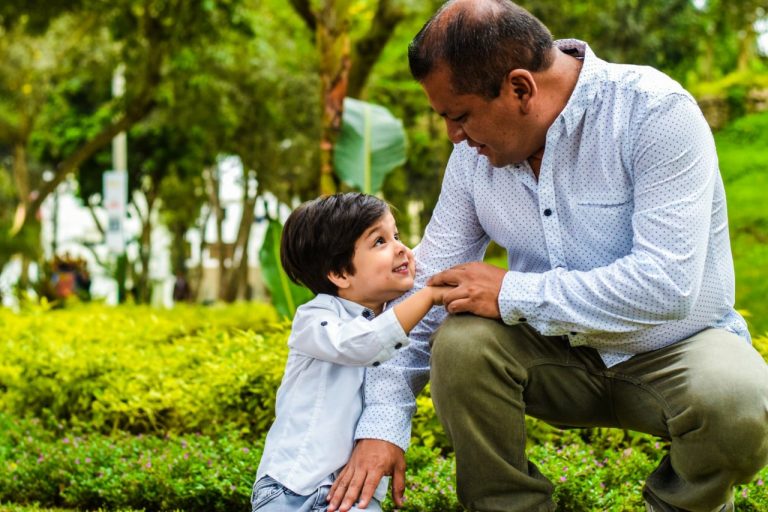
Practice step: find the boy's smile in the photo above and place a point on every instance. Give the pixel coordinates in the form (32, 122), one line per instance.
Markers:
(383, 267)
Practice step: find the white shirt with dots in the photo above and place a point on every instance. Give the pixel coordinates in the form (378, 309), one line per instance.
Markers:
(621, 244)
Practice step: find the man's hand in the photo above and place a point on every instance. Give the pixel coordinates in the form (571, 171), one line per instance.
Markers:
(370, 461)
(477, 287)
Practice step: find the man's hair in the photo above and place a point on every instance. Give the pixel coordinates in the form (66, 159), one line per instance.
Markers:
(480, 42)
(319, 237)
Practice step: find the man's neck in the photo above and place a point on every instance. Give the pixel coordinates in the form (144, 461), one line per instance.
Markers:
(558, 83)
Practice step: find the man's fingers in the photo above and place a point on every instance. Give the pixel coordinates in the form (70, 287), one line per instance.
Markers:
(454, 294)
(339, 489)
(341, 481)
(461, 305)
(353, 491)
(369, 487)
(448, 277)
(398, 484)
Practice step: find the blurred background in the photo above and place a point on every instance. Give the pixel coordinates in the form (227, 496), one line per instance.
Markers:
(148, 148)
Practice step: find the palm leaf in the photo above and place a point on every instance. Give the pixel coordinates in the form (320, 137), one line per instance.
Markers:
(370, 145)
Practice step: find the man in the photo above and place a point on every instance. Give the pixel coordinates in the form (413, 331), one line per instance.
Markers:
(601, 181)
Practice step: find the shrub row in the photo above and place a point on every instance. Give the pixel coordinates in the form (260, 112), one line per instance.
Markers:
(181, 378)
(77, 469)
(144, 370)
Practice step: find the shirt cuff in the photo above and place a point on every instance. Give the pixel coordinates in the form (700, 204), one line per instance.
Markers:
(387, 423)
(519, 296)
(391, 336)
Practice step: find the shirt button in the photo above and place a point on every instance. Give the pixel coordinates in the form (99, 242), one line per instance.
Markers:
(398, 346)
(323, 323)
(522, 320)
(376, 363)
(547, 212)
(366, 313)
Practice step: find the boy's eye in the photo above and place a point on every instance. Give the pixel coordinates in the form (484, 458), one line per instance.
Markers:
(379, 241)
(397, 236)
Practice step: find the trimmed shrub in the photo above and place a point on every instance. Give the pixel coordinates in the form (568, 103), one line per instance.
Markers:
(144, 370)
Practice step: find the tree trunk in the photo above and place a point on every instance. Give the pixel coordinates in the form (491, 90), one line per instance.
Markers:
(341, 74)
(212, 182)
(333, 46)
(238, 271)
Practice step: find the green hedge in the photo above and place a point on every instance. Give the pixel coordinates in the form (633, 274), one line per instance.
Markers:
(136, 408)
(144, 370)
(77, 469)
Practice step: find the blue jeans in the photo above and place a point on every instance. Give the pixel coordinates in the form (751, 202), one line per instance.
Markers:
(269, 495)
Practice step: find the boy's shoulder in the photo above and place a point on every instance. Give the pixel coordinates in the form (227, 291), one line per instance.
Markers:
(322, 304)
(325, 306)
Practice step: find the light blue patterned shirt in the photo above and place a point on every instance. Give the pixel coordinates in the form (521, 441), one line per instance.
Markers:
(321, 395)
(621, 244)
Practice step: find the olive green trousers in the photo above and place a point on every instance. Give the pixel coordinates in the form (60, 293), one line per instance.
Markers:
(707, 395)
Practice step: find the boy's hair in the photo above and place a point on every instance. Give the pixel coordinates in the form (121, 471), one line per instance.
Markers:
(319, 237)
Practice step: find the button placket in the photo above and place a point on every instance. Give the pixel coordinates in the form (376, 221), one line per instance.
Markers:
(549, 217)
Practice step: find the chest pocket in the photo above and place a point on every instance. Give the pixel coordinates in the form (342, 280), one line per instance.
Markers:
(604, 218)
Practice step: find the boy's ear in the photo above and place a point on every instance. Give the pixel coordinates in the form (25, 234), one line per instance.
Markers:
(339, 280)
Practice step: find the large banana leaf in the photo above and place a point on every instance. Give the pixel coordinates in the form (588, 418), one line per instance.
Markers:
(286, 295)
(370, 145)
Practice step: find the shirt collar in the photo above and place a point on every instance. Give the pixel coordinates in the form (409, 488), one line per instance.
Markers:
(355, 309)
(586, 86)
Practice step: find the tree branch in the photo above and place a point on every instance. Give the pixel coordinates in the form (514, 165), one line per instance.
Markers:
(368, 49)
(304, 11)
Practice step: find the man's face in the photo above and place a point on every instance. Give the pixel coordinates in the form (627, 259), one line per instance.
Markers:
(497, 128)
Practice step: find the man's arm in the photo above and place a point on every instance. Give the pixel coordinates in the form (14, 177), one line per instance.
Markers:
(658, 281)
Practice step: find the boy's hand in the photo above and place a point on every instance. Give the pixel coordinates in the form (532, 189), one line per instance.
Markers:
(438, 294)
(370, 461)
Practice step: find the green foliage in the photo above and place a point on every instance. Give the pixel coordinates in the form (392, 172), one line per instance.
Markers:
(744, 166)
(134, 408)
(286, 295)
(370, 145)
(83, 470)
(142, 370)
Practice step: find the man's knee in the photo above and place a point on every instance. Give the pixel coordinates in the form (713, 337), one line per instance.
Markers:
(732, 408)
(464, 347)
(461, 338)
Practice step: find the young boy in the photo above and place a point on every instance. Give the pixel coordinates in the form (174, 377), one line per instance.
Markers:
(346, 249)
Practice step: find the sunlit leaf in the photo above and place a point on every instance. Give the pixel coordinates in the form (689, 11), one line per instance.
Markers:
(370, 145)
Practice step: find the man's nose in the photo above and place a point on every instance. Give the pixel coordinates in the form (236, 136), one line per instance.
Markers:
(455, 131)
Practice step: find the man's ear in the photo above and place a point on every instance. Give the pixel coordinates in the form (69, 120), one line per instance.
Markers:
(341, 281)
(521, 85)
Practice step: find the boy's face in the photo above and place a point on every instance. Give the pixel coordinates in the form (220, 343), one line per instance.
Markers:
(384, 267)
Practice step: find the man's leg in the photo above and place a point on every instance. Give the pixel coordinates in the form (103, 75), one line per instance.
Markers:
(485, 376)
(709, 396)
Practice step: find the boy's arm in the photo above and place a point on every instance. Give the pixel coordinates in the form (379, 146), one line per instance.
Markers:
(318, 331)
(410, 311)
